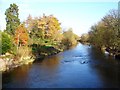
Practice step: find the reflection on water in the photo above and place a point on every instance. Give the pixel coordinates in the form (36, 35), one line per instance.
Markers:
(107, 67)
(79, 67)
(51, 62)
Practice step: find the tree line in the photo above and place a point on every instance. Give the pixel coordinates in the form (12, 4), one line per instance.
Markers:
(34, 35)
(106, 33)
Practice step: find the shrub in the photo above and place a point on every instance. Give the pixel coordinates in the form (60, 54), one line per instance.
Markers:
(69, 38)
(6, 42)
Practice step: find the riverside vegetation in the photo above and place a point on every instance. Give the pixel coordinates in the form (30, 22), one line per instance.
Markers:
(38, 37)
(23, 42)
(105, 35)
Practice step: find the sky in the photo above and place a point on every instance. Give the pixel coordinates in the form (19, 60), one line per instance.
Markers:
(79, 15)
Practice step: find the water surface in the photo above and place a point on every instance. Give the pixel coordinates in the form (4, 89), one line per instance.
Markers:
(79, 67)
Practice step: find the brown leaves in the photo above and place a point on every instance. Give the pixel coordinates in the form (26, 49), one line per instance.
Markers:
(21, 35)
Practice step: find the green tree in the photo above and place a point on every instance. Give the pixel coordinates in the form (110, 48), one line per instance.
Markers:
(12, 18)
(69, 38)
(106, 33)
(6, 42)
(84, 38)
(111, 23)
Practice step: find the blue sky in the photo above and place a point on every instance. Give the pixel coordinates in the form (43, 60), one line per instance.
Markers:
(79, 15)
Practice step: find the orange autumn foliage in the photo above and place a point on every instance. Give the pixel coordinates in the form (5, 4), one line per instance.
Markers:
(50, 26)
(21, 35)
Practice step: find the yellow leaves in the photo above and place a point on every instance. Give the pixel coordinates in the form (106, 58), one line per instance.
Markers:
(50, 25)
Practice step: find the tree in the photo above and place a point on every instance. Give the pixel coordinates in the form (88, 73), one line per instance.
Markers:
(35, 34)
(45, 29)
(69, 38)
(84, 38)
(6, 42)
(21, 36)
(12, 20)
(111, 23)
(50, 26)
(106, 32)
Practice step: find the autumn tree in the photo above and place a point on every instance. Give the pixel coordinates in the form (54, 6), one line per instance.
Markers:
(21, 36)
(35, 34)
(44, 29)
(50, 27)
(12, 18)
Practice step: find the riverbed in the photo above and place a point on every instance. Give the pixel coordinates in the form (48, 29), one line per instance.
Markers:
(80, 67)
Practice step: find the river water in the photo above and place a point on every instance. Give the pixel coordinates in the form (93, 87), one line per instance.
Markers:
(80, 67)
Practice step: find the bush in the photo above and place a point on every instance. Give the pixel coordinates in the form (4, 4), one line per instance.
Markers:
(69, 38)
(6, 42)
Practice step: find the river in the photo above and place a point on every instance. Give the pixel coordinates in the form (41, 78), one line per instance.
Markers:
(80, 67)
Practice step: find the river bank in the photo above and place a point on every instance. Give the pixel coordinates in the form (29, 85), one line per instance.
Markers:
(29, 54)
(8, 61)
(111, 52)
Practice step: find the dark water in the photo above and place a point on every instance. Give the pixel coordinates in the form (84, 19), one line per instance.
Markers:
(79, 67)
